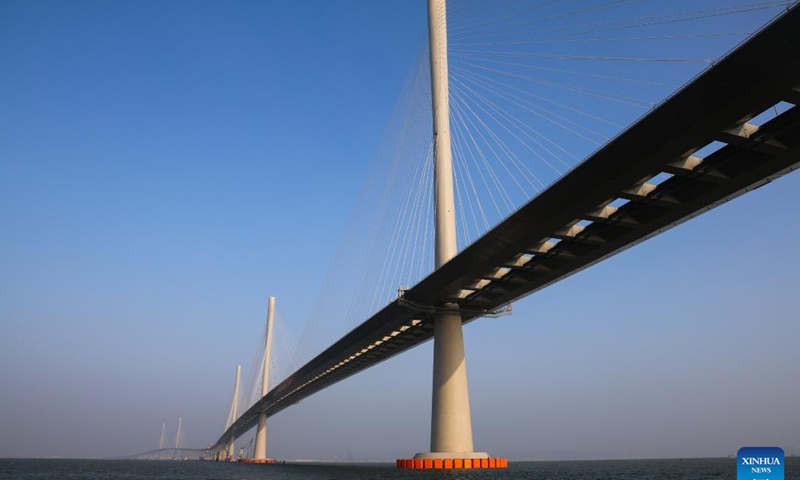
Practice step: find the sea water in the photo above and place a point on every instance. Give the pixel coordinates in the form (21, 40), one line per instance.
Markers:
(674, 469)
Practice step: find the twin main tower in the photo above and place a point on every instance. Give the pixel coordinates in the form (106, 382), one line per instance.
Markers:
(451, 422)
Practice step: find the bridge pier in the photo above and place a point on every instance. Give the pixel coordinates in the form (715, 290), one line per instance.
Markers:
(451, 419)
(231, 454)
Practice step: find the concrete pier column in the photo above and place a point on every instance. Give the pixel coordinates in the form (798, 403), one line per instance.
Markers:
(231, 448)
(451, 421)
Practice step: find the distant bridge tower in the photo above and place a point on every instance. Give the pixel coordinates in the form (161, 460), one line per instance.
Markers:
(163, 436)
(177, 439)
(234, 412)
(260, 450)
(178, 434)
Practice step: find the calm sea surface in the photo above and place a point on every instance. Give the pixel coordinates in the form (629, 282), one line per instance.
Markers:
(713, 468)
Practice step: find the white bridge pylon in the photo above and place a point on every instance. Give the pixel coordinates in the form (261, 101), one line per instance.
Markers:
(260, 452)
(451, 420)
(260, 447)
(234, 412)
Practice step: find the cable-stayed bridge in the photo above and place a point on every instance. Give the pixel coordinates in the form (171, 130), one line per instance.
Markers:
(733, 128)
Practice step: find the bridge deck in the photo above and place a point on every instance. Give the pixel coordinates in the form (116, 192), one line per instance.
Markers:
(607, 204)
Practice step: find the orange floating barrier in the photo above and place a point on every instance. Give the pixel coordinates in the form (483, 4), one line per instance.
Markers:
(451, 463)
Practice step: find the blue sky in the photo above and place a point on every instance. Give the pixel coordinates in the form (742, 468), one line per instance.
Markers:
(165, 167)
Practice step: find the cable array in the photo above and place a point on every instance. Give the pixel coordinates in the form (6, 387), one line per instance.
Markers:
(387, 242)
(535, 87)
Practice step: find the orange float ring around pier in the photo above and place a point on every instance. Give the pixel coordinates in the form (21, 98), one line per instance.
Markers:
(451, 463)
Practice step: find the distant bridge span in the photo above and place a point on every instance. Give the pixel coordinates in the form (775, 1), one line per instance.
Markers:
(573, 224)
(171, 454)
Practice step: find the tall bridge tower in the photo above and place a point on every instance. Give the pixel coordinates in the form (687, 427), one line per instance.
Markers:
(235, 414)
(451, 420)
(260, 451)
